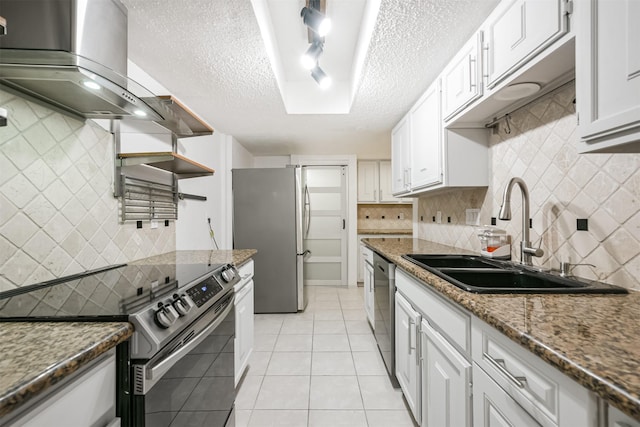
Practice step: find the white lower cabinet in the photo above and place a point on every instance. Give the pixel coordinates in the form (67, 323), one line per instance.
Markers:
(446, 382)
(243, 343)
(466, 373)
(616, 418)
(369, 296)
(493, 407)
(407, 360)
(86, 398)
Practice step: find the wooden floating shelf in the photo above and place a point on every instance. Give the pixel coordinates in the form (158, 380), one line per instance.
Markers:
(168, 161)
(178, 118)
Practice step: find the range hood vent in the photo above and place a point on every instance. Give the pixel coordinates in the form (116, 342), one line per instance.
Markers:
(72, 54)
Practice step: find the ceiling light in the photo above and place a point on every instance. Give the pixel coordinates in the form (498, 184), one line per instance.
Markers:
(91, 84)
(316, 21)
(323, 80)
(310, 58)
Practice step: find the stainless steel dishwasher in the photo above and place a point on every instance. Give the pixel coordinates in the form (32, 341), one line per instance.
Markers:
(384, 282)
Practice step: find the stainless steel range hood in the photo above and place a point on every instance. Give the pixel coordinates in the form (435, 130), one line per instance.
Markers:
(72, 54)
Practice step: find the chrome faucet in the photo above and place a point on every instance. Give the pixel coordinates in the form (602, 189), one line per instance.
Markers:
(526, 251)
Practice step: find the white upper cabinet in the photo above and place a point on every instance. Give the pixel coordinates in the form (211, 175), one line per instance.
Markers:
(368, 188)
(426, 139)
(386, 178)
(608, 75)
(462, 78)
(517, 31)
(400, 157)
(374, 182)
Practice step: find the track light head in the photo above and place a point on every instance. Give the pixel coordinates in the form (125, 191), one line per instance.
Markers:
(316, 21)
(323, 80)
(310, 57)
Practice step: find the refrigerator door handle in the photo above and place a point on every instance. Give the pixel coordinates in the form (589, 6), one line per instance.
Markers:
(305, 253)
(307, 210)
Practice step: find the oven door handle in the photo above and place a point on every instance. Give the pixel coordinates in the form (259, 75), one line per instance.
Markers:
(158, 370)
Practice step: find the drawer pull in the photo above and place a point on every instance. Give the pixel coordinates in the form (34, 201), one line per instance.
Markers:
(501, 366)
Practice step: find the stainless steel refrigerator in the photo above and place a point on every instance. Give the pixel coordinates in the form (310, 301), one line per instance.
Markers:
(270, 215)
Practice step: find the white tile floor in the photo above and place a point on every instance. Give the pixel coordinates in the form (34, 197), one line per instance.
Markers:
(319, 368)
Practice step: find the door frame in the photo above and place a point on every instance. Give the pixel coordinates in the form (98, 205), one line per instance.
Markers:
(351, 161)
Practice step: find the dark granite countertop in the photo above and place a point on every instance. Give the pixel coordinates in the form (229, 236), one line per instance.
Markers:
(36, 355)
(593, 339)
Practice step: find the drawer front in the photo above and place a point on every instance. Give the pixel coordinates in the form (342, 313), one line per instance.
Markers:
(453, 323)
(367, 254)
(246, 270)
(535, 389)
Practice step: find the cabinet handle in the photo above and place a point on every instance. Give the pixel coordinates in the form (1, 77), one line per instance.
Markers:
(501, 366)
(411, 322)
(472, 62)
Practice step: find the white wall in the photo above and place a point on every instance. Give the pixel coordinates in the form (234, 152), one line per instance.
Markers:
(272, 161)
(240, 157)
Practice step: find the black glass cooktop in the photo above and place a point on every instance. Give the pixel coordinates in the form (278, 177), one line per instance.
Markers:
(108, 294)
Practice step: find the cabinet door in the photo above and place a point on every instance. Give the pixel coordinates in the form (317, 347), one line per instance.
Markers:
(618, 419)
(461, 80)
(517, 31)
(446, 382)
(426, 139)
(369, 297)
(608, 75)
(400, 156)
(368, 181)
(244, 329)
(385, 177)
(493, 407)
(407, 372)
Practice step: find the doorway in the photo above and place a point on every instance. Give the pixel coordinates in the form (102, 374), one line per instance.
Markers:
(326, 230)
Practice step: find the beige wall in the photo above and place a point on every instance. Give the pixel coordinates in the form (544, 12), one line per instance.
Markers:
(58, 215)
(564, 186)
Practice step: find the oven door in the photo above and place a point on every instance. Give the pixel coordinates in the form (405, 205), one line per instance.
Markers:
(193, 383)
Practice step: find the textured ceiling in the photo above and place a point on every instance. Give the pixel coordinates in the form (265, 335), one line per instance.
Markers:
(210, 54)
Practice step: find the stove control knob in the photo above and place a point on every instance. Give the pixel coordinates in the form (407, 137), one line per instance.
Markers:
(166, 316)
(228, 275)
(181, 304)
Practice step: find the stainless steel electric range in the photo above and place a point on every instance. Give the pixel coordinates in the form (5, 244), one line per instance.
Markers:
(178, 365)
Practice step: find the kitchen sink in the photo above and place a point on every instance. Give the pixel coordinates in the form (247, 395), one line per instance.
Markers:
(452, 261)
(481, 275)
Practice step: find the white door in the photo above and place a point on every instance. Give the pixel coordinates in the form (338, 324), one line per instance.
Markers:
(400, 157)
(446, 382)
(368, 181)
(407, 372)
(326, 225)
(493, 407)
(368, 293)
(518, 30)
(426, 139)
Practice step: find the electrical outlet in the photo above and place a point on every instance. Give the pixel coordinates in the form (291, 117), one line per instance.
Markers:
(401, 216)
(472, 216)
(439, 217)
(154, 224)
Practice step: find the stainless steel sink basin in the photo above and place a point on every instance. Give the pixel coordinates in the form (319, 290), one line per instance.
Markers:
(481, 275)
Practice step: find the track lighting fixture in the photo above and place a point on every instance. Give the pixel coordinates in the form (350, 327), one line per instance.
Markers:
(316, 21)
(323, 80)
(310, 58)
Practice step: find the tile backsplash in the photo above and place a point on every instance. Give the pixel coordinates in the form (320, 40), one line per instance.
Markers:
(58, 215)
(388, 217)
(564, 186)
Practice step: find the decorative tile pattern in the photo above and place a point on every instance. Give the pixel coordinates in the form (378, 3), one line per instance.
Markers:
(387, 217)
(58, 215)
(563, 186)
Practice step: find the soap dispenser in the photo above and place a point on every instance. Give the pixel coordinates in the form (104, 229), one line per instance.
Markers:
(494, 243)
